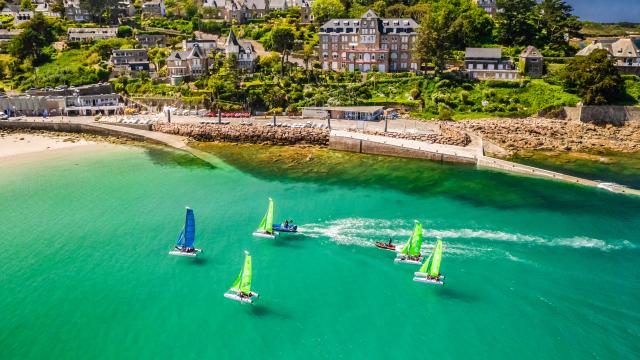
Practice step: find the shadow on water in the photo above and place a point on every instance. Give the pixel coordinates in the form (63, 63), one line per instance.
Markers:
(261, 310)
(458, 294)
(417, 177)
(168, 157)
(199, 261)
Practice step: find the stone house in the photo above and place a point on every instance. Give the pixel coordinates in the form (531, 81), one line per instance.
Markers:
(306, 17)
(209, 46)
(187, 64)
(91, 34)
(624, 52)
(239, 10)
(74, 12)
(245, 54)
(532, 62)
(153, 8)
(151, 40)
(82, 100)
(370, 43)
(488, 64)
(128, 61)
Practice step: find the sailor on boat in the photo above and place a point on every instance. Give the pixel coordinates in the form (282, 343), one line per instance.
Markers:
(429, 272)
(187, 237)
(410, 252)
(241, 289)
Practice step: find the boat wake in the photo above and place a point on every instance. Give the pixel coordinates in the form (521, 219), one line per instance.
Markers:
(364, 232)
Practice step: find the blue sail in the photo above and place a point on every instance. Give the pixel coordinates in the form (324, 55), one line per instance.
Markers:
(180, 241)
(189, 230)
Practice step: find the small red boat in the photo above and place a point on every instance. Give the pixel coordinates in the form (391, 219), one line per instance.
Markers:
(386, 246)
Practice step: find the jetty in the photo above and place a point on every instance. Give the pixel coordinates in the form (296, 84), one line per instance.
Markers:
(351, 141)
(474, 154)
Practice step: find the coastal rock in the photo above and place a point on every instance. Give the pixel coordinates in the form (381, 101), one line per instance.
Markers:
(553, 135)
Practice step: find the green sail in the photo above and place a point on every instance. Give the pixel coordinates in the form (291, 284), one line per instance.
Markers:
(416, 240)
(407, 249)
(423, 268)
(434, 270)
(236, 284)
(245, 284)
(266, 224)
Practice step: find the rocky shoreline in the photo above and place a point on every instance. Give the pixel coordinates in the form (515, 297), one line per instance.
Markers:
(553, 135)
(267, 135)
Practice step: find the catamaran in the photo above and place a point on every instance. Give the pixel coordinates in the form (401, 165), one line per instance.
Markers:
(186, 239)
(410, 252)
(430, 271)
(265, 229)
(241, 288)
(268, 229)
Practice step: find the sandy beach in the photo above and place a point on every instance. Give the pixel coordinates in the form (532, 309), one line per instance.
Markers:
(15, 144)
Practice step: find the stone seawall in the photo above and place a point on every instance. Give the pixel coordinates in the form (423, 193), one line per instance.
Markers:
(248, 134)
(68, 128)
(377, 148)
(607, 114)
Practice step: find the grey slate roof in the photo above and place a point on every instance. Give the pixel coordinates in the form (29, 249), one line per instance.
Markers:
(531, 52)
(483, 53)
(385, 26)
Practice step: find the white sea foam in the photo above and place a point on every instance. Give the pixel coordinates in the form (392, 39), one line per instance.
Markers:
(363, 232)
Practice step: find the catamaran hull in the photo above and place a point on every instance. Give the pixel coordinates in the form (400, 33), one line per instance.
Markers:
(242, 300)
(184, 253)
(408, 261)
(421, 274)
(427, 281)
(265, 235)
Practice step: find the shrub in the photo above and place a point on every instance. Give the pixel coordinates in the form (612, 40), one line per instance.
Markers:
(445, 112)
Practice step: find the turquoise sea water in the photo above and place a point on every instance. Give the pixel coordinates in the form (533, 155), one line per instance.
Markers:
(534, 269)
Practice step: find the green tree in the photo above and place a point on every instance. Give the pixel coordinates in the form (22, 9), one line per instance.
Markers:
(516, 22)
(38, 33)
(100, 9)
(396, 11)
(282, 39)
(324, 10)
(26, 5)
(450, 25)
(556, 24)
(158, 57)
(57, 6)
(190, 9)
(594, 78)
(125, 31)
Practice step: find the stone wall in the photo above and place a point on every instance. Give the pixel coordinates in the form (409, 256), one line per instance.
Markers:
(375, 148)
(615, 115)
(248, 134)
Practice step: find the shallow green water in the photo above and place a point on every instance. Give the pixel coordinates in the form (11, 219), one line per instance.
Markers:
(535, 269)
(621, 168)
